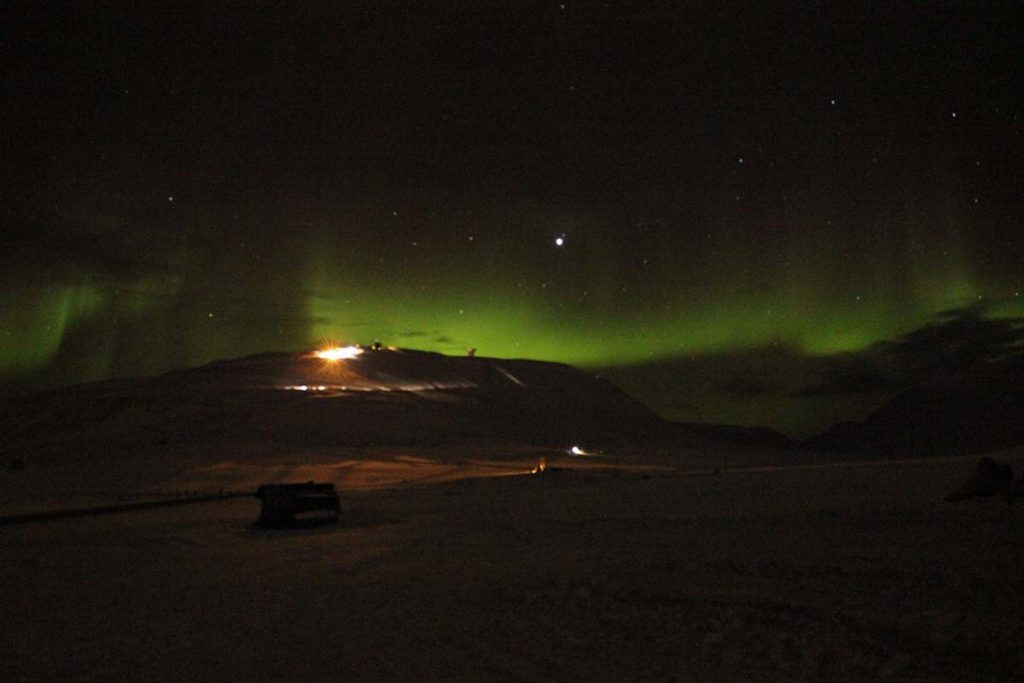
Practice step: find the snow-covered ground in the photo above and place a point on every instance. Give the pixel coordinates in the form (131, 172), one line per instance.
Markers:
(457, 564)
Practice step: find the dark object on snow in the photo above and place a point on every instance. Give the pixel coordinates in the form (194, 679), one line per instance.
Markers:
(297, 504)
(989, 478)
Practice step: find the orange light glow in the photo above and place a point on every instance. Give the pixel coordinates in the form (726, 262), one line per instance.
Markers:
(542, 465)
(335, 353)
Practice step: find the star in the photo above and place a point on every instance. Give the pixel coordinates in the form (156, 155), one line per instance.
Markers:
(560, 241)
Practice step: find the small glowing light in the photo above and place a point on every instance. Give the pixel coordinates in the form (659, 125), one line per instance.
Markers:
(542, 465)
(560, 240)
(339, 352)
(576, 450)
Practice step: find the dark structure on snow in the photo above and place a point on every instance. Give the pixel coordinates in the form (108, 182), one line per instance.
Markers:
(290, 504)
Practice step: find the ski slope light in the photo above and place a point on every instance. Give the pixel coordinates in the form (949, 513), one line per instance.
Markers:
(339, 352)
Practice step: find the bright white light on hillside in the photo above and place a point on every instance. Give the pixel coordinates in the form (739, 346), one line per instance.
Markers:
(339, 352)
(576, 450)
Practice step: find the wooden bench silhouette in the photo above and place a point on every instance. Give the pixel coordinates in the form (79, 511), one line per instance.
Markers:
(292, 504)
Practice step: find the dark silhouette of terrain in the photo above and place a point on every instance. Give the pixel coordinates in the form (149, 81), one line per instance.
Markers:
(386, 397)
(977, 410)
(957, 387)
(956, 341)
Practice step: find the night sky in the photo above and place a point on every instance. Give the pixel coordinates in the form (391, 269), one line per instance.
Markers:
(599, 183)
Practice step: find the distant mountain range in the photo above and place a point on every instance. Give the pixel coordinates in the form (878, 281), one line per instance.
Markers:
(402, 397)
(979, 409)
(383, 397)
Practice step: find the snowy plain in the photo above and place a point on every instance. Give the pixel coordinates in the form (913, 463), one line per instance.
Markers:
(636, 566)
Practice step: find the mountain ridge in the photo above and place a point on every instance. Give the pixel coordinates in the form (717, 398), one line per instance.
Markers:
(388, 396)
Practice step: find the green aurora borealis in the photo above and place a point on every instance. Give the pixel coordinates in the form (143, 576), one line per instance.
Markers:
(565, 304)
(183, 184)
